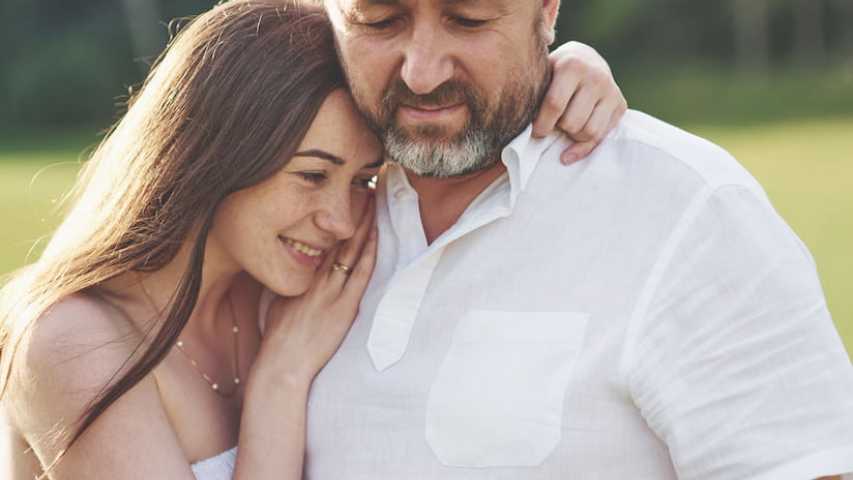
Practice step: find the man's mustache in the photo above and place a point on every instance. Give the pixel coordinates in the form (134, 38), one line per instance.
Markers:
(448, 93)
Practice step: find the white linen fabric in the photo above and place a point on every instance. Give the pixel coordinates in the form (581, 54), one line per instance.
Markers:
(643, 314)
(220, 467)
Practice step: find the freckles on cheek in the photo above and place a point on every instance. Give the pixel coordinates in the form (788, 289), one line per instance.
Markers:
(357, 210)
(284, 211)
(227, 216)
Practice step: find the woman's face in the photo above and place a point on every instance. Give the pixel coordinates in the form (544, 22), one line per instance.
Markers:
(282, 229)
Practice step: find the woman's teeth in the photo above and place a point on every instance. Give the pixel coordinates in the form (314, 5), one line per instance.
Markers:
(302, 248)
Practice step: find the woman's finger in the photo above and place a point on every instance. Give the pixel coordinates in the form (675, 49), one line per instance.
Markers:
(560, 93)
(362, 272)
(621, 109)
(321, 278)
(604, 118)
(597, 126)
(577, 152)
(578, 113)
(351, 250)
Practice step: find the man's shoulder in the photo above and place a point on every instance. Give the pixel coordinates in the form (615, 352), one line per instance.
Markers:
(641, 138)
(645, 169)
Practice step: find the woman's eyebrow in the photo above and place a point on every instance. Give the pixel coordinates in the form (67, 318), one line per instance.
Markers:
(322, 154)
(376, 164)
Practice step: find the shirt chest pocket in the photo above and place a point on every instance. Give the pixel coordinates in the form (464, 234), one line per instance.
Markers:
(497, 399)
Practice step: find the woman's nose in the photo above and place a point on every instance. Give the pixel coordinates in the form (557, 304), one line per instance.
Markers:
(336, 216)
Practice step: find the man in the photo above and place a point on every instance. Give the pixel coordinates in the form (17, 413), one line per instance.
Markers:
(644, 315)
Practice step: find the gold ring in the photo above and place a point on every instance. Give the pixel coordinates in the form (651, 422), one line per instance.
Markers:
(340, 267)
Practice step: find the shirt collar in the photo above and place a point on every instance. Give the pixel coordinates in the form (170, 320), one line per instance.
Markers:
(397, 182)
(521, 157)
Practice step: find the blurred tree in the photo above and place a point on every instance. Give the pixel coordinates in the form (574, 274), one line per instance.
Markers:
(844, 14)
(809, 46)
(144, 25)
(752, 34)
(64, 63)
(19, 16)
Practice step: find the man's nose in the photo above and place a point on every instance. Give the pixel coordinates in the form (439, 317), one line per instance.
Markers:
(426, 63)
(335, 216)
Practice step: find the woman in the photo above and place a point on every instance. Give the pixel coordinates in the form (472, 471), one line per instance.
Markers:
(133, 348)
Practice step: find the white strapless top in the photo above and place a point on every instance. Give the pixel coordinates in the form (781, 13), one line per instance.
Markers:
(221, 467)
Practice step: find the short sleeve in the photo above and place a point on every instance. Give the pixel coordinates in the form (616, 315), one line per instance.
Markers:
(735, 362)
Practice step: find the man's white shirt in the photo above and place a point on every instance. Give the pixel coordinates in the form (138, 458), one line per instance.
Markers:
(643, 314)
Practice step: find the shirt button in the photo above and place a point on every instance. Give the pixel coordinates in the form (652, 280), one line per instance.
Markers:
(399, 193)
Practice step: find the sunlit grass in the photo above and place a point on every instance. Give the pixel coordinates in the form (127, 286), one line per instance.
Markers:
(806, 166)
(32, 185)
(807, 169)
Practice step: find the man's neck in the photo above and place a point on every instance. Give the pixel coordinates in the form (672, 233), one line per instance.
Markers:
(444, 200)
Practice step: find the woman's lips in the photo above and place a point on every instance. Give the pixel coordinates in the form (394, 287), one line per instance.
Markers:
(303, 253)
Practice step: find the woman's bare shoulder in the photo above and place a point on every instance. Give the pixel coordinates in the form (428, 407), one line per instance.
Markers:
(74, 333)
(78, 349)
(72, 351)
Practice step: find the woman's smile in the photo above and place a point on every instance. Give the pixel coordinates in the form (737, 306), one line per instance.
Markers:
(304, 253)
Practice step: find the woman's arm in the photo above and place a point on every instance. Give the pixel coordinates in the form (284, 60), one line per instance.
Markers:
(583, 100)
(272, 428)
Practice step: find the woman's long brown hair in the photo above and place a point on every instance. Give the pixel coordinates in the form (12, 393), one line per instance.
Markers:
(223, 108)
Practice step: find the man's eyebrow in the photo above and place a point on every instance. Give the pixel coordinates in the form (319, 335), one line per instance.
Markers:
(321, 154)
(498, 7)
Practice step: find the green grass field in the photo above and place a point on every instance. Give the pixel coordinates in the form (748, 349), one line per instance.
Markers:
(805, 165)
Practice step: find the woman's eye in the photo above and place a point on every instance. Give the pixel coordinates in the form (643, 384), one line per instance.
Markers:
(367, 183)
(469, 22)
(313, 177)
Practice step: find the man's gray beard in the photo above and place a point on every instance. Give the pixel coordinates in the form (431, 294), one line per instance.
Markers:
(477, 148)
(475, 151)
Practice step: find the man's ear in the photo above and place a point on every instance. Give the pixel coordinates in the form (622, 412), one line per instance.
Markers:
(550, 10)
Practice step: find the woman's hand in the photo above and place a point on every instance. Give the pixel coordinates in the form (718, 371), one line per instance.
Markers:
(300, 337)
(303, 333)
(583, 100)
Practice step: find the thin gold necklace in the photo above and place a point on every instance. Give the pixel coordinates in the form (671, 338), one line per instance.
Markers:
(235, 365)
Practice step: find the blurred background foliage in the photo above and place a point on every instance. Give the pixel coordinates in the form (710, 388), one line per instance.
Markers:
(70, 62)
(770, 80)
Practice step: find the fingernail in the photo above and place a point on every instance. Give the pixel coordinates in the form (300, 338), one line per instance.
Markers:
(569, 158)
